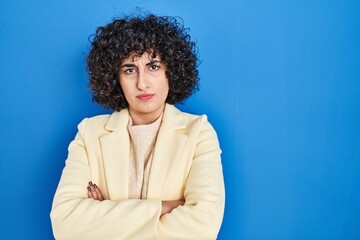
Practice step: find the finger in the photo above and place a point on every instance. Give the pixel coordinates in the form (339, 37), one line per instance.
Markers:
(89, 193)
(94, 193)
(98, 193)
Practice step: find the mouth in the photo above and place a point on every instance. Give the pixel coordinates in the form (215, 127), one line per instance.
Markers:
(145, 97)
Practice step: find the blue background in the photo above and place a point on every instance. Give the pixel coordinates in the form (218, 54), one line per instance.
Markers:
(280, 82)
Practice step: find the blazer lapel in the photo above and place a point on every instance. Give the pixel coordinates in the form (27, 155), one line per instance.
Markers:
(115, 147)
(169, 145)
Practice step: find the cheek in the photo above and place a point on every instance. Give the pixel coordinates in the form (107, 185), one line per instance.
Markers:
(165, 87)
(124, 87)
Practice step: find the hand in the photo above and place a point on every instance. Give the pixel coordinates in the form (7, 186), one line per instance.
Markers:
(94, 192)
(168, 206)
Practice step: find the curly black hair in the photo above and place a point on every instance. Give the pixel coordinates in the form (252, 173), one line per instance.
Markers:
(121, 38)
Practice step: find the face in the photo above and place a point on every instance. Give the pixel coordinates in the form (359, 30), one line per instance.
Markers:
(145, 86)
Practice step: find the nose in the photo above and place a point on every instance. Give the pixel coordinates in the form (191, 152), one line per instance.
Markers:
(142, 82)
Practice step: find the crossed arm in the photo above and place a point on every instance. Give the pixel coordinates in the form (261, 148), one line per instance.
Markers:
(166, 206)
(78, 213)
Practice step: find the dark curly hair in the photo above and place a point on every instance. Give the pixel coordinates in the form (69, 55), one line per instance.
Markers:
(121, 38)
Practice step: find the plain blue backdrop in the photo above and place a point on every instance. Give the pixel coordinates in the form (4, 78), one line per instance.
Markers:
(280, 82)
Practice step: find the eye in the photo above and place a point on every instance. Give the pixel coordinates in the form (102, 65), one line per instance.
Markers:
(129, 71)
(154, 67)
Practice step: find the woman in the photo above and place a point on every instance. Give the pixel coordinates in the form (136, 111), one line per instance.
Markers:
(148, 170)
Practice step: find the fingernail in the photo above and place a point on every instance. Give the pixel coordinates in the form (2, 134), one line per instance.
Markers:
(90, 183)
(89, 189)
(95, 186)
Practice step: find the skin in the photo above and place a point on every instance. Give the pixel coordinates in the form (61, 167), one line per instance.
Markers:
(144, 75)
(145, 86)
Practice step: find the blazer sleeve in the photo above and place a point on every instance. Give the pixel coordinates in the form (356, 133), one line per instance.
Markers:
(75, 216)
(202, 214)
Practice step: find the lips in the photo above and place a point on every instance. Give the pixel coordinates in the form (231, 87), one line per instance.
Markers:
(145, 97)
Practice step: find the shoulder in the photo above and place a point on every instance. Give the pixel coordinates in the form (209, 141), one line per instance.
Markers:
(173, 112)
(198, 130)
(183, 120)
(101, 124)
(109, 122)
(95, 121)
(93, 125)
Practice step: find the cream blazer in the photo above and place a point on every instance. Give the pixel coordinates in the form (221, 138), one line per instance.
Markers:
(186, 165)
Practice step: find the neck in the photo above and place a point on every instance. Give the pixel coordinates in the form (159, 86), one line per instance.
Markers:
(139, 118)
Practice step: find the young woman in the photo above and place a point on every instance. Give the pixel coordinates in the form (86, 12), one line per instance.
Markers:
(148, 170)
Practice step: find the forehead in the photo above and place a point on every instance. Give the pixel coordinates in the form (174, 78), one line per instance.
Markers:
(147, 56)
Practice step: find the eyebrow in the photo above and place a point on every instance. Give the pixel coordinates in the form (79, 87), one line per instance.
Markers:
(133, 65)
(127, 65)
(152, 62)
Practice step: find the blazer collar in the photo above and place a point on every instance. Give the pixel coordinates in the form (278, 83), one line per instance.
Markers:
(168, 151)
(115, 147)
(118, 120)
